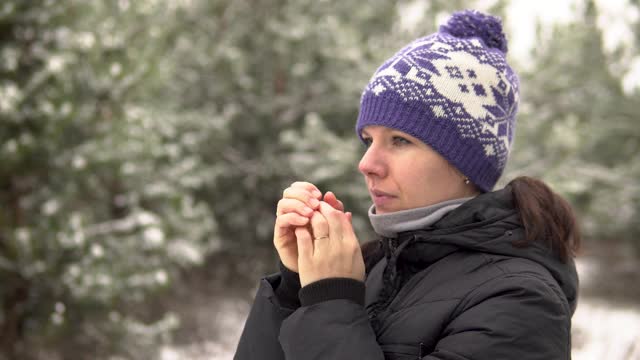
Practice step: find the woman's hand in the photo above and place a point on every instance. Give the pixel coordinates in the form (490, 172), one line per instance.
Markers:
(294, 210)
(331, 249)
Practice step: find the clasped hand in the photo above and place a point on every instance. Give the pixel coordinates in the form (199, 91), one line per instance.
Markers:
(314, 236)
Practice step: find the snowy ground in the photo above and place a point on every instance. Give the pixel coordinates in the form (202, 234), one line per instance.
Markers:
(600, 330)
(229, 318)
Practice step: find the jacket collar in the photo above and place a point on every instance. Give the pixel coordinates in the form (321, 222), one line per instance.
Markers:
(488, 223)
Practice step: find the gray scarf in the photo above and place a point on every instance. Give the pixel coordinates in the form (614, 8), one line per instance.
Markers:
(389, 225)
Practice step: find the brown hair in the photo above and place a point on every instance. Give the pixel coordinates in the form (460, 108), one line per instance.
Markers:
(546, 216)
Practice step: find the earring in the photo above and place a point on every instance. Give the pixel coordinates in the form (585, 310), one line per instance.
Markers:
(466, 180)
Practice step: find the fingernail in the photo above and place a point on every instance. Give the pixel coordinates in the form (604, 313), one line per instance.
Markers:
(308, 210)
(317, 193)
(314, 202)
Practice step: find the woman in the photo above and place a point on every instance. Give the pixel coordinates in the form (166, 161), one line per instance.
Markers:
(460, 271)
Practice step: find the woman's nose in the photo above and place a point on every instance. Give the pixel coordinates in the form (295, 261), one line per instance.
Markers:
(372, 163)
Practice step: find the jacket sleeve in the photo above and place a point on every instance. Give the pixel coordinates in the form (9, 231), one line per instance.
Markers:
(276, 299)
(332, 323)
(514, 317)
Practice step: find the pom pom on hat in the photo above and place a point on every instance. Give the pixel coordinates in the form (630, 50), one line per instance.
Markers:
(471, 23)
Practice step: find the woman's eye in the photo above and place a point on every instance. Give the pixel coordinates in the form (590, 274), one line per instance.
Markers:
(367, 142)
(399, 140)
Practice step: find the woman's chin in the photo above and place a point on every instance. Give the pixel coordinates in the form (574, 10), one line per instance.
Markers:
(385, 204)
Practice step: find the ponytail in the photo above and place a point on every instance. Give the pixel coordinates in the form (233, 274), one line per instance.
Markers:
(545, 216)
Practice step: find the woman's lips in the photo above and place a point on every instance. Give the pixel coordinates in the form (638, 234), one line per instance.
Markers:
(381, 198)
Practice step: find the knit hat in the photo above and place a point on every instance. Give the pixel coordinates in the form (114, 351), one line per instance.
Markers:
(454, 91)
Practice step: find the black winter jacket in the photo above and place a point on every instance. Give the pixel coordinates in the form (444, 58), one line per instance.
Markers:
(457, 290)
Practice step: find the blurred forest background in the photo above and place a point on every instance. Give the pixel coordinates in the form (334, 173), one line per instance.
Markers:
(144, 145)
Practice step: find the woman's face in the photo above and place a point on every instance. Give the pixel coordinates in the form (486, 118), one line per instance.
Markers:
(404, 173)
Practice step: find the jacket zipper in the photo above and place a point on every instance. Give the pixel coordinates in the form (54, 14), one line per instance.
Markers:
(422, 352)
